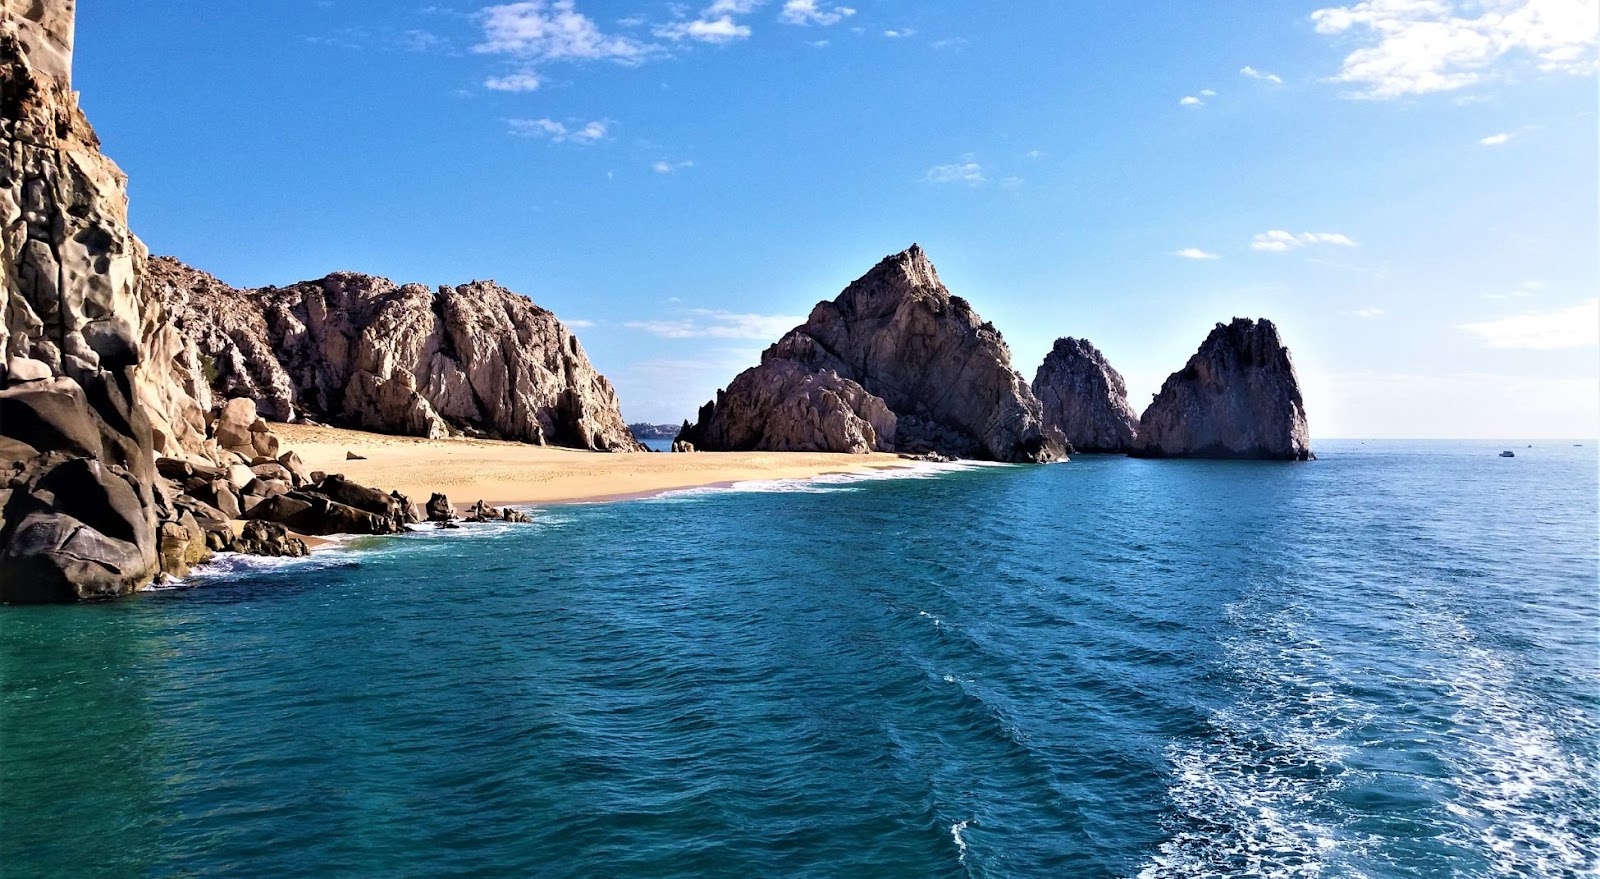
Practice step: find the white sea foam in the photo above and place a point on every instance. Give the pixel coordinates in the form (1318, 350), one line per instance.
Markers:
(956, 830)
(830, 482)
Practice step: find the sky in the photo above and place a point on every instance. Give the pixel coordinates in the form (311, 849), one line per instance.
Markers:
(1407, 188)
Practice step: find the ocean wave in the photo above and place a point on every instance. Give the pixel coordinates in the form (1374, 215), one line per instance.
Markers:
(825, 483)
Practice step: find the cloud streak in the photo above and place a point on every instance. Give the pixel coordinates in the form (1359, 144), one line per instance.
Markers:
(1281, 241)
(1575, 327)
(705, 323)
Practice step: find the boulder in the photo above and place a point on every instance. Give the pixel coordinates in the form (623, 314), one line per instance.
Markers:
(182, 544)
(232, 429)
(1085, 399)
(267, 539)
(439, 508)
(895, 363)
(309, 513)
(1238, 397)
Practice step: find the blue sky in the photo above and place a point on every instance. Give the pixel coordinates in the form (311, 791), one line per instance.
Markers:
(1407, 187)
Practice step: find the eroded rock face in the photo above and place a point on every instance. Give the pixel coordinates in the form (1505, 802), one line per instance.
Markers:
(1238, 397)
(1085, 399)
(896, 363)
(363, 352)
(77, 503)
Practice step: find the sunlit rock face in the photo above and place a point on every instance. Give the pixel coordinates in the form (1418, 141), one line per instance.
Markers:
(895, 363)
(1085, 399)
(364, 352)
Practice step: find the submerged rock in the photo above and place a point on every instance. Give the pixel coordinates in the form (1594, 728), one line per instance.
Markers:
(1085, 399)
(895, 363)
(1238, 397)
(364, 352)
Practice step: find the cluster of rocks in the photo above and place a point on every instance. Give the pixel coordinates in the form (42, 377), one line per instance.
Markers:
(360, 351)
(1238, 397)
(894, 364)
(442, 513)
(682, 446)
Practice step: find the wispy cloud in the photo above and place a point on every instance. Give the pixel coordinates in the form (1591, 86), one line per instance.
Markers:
(899, 33)
(1422, 46)
(524, 81)
(1252, 73)
(1497, 139)
(559, 132)
(722, 29)
(804, 12)
(705, 323)
(1278, 240)
(665, 167)
(1189, 101)
(1575, 327)
(1195, 253)
(966, 171)
(1368, 313)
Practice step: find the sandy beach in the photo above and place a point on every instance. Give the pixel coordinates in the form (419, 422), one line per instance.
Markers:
(500, 473)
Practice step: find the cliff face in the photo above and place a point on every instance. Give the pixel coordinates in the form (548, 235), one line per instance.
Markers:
(363, 352)
(1085, 399)
(78, 506)
(1238, 397)
(894, 363)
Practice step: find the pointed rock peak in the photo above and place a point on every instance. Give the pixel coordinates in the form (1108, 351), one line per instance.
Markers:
(908, 274)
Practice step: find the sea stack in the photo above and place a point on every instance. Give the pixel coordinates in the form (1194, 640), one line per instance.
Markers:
(1238, 397)
(364, 352)
(1085, 399)
(77, 462)
(895, 363)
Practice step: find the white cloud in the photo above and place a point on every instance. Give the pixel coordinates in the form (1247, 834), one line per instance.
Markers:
(1253, 73)
(1575, 327)
(810, 12)
(705, 323)
(1278, 241)
(665, 167)
(897, 33)
(1034, 154)
(1190, 101)
(1368, 312)
(557, 132)
(1195, 253)
(578, 324)
(1497, 139)
(722, 29)
(966, 171)
(1208, 93)
(1424, 46)
(539, 31)
(513, 82)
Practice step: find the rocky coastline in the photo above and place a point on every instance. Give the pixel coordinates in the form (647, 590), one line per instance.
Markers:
(138, 395)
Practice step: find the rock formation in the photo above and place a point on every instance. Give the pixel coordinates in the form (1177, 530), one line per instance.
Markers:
(1085, 399)
(895, 363)
(363, 352)
(1238, 397)
(77, 504)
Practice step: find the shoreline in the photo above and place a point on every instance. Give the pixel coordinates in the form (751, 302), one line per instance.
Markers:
(514, 474)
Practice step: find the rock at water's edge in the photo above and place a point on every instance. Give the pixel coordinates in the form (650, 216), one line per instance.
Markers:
(1085, 399)
(1238, 397)
(895, 363)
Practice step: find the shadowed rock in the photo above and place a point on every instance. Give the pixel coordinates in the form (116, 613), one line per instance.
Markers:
(1238, 397)
(1085, 399)
(895, 363)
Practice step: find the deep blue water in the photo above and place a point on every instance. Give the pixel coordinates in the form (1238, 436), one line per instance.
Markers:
(1383, 663)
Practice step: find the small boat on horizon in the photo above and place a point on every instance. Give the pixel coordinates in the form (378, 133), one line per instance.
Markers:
(1508, 454)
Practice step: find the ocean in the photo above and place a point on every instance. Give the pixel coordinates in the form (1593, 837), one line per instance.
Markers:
(1380, 664)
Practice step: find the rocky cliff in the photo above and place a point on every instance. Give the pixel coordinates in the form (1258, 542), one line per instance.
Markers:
(78, 504)
(1238, 397)
(1085, 399)
(364, 352)
(895, 363)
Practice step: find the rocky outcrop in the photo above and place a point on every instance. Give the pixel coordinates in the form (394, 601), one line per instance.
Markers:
(1238, 397)
(895, 363)
(77, 501)
(1085, 399)
(363, 352)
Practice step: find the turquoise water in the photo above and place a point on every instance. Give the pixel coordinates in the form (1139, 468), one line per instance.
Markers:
(1380, 664)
